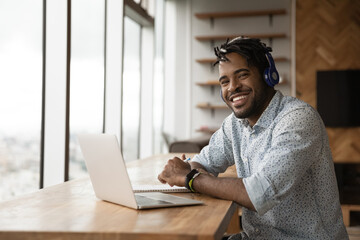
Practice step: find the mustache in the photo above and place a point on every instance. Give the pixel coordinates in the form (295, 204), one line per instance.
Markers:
(238, 90)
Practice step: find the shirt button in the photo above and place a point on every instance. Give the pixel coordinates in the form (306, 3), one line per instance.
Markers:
(245, 160)
(257, 230)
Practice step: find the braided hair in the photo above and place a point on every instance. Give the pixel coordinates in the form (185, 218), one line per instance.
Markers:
(252, 49)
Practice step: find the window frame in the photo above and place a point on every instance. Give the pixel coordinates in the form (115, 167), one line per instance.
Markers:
(147, 23)
(54, 168)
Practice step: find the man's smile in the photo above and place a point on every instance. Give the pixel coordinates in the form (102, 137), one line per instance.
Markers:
(239, 99)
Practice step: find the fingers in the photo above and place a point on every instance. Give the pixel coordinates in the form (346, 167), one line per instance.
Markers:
(161, 179)
(175, 171)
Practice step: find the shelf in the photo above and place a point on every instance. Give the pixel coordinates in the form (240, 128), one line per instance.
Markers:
(206, 60)
(208, 83)
(206, 130)
(240, 14)
(209, 106)
(213, 83)
(214, 37)
(225, 37)
(212, 60)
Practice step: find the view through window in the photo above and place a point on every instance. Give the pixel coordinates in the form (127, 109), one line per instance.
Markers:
(87, 76)
(131, 90)
(20, 96)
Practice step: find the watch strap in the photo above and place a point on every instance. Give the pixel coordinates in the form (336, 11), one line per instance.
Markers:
(192, 181)
(189, 177)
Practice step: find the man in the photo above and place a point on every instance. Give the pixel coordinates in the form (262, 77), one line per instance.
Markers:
(286, 182)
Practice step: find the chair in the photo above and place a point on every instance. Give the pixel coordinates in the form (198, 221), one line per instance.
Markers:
(193, 145)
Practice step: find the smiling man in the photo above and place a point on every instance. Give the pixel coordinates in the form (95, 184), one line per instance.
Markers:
(248, 96)
(286, 182)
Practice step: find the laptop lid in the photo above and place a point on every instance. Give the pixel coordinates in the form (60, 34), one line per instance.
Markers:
(110, 178)
(106, 168)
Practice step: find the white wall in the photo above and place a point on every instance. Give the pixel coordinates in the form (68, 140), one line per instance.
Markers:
(182, 72)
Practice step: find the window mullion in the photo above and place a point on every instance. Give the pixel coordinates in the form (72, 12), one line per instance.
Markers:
(55, 112)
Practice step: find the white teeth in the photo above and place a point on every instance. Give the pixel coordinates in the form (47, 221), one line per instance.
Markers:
(238, 98)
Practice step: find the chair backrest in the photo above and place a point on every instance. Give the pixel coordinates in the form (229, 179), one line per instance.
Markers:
(193, 145)
(184, 147)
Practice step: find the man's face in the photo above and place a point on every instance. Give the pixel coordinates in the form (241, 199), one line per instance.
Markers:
(243, 88)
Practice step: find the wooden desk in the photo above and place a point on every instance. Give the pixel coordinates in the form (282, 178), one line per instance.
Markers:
(71, 211)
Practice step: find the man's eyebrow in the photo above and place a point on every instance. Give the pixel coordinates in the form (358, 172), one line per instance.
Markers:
(222, 77)
(241, 70)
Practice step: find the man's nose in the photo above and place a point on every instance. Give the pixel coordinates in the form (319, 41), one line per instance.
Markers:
(234, 85)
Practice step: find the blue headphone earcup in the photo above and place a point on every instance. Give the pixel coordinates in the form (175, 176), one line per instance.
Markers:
(271, 74)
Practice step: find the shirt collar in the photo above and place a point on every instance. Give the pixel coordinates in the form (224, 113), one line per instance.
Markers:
(268, 116)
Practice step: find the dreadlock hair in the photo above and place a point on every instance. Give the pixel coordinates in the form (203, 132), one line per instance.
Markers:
(252, 49)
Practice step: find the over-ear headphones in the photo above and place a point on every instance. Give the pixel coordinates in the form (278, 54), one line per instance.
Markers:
(271, 75)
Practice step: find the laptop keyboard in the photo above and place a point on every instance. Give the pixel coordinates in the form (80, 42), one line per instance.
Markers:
(145, 201)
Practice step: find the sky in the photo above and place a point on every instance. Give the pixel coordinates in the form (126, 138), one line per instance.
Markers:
(20, 65)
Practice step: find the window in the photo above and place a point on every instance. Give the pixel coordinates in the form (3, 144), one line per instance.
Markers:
(87, 76)
(20, 96)
(83, 92)
(142, 91)
(131, 90)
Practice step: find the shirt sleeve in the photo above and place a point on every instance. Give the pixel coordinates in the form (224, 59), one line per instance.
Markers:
(218, 155)
(296, 144)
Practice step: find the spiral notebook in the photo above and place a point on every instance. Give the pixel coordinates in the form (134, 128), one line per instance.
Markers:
(158, 188)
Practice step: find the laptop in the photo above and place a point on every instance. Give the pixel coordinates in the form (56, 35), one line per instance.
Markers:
(110, 179)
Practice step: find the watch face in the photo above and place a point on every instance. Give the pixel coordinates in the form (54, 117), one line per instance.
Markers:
(203, 171)
(192, 173)
(200, 170)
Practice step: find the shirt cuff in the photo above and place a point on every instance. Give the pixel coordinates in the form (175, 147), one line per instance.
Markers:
(203, 163)
(260, 192)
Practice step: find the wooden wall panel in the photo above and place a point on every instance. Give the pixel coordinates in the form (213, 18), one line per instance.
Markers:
(328, 38)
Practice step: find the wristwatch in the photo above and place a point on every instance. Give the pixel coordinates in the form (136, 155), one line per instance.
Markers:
(190, 178)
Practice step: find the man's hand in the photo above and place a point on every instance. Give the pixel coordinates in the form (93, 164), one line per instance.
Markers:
(175, 172)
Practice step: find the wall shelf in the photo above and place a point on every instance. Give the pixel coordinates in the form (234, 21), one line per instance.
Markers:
(206, 130)
(206, 60)
(215, 35)
(213, 83)
(212, 60)
(231, 36)
(211, 106)
(211, 15)
(208, 83)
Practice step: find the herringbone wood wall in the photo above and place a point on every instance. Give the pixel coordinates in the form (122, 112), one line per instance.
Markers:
(328, 38)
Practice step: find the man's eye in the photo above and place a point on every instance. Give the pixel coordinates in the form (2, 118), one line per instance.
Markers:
(244, 75)
(224, 82)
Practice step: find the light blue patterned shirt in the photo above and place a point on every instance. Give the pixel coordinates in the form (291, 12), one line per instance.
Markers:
(287, 169)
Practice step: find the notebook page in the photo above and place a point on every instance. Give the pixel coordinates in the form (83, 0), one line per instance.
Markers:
(158, 188)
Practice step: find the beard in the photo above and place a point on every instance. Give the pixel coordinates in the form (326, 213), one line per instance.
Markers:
(254, 106)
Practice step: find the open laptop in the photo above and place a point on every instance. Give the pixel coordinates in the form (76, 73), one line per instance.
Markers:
(110, 178)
